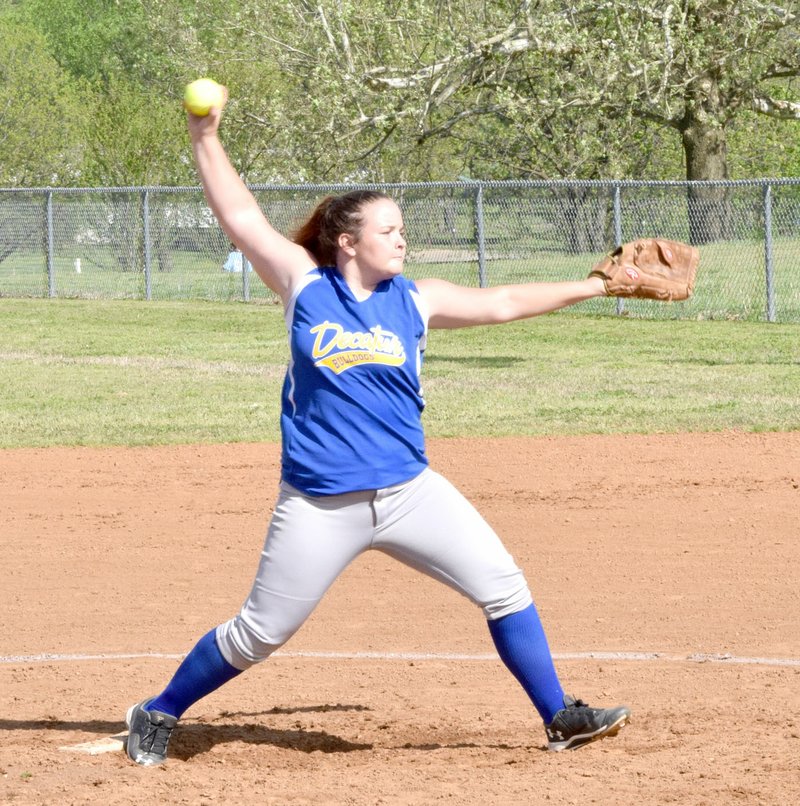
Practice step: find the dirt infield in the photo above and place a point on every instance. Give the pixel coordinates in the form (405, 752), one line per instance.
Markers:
(664, 568)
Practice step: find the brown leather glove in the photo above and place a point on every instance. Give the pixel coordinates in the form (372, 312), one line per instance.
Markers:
(650, 268)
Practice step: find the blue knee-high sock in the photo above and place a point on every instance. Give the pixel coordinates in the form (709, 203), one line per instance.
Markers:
(522, 646)
(203, 670)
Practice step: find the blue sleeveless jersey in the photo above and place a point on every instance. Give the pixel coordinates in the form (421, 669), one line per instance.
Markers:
(351, 402)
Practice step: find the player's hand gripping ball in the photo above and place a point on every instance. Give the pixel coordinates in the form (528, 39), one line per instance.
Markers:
(202, 95)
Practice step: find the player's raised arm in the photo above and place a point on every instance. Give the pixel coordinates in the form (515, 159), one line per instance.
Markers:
(277, 260)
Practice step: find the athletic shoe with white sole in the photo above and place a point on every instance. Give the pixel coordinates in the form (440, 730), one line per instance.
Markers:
(149, 734)
(576, 724)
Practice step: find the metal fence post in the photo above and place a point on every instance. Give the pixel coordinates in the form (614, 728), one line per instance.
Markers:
(148, 252)
(618, 235)
(480, 237)
(51, 269)
(768, 258)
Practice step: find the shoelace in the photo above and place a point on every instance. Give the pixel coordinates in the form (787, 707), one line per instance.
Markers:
(156, 739)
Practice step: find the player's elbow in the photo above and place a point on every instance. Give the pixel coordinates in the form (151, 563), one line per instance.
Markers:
(505, 306)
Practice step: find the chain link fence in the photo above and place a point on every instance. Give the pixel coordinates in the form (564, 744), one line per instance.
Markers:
(164, 243)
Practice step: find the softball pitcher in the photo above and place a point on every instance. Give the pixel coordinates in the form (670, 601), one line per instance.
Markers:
(355, 475)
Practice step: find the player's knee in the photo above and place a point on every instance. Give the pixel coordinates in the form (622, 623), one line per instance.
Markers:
(511, 597)
(511, 604)
(243, 645)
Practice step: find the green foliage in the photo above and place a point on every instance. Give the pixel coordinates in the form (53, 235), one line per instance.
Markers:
(134, 127)
(94, 39)
(135, 136)
(523, 90)
(383, 90)
(763, 146)
(41, 111)
(135, 373)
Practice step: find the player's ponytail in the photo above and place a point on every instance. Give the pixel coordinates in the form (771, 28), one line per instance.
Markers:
(330, 218)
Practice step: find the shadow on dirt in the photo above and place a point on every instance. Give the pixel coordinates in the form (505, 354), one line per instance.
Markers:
(193, 738)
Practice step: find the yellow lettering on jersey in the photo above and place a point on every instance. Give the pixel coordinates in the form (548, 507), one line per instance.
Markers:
(339, 349)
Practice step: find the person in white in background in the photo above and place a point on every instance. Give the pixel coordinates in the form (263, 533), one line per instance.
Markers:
(233, 263)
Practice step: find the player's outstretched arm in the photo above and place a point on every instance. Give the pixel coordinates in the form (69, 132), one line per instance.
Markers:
(278, 261)
(452, 306)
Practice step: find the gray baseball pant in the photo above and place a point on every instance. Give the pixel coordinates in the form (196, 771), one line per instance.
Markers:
(425, 523)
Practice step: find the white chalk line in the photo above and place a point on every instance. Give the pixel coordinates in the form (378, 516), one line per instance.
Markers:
(48, 657)
(113, 744)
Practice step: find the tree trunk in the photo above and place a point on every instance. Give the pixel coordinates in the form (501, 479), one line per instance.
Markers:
(706, 150)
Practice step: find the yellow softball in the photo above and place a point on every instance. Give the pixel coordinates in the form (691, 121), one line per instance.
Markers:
(202, 95)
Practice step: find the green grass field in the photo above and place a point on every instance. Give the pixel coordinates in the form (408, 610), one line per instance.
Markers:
(81, 372)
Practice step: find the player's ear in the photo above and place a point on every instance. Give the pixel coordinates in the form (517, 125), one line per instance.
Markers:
(346, 242)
